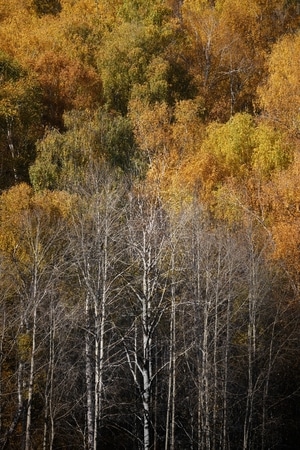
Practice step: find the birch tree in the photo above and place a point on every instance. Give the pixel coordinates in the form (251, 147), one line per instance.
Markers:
(147, 285)
(32, 233)
(95, 240)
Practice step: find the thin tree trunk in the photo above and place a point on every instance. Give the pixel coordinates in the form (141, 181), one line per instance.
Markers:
(200, 354)
(35, 248)
(1, 358)
(51, 362)
(252, 299)
(170, 418)
(31, 382)
(205, 366)
(89, 375)
(173, 391)
(167, 432)
(21, 383)
(266, 386)
(96, 373)
(147, 363)
(100, 317)
(225, 384)
(146, 376)
(215, 354)
(48, 416)
(12, 148)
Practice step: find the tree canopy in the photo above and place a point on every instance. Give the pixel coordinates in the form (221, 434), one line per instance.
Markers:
(149, 224)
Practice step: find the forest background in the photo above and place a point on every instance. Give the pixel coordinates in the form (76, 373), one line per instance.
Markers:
(149, 224)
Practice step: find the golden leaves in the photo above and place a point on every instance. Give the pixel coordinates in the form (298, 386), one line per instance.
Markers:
(19, 205)
(280, 95)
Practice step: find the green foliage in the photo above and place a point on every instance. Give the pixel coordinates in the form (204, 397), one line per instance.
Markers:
(122, 64)
(272, 151)
(9, 69)
(154, 12)
(117, 140)
(138, 61)
(241, 146)
(231, 144)
(44, 173)
(155, 86)
(63, 158)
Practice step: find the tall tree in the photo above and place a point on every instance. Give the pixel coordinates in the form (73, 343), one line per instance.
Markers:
(147, 287)
(32, 250)
(95, 238)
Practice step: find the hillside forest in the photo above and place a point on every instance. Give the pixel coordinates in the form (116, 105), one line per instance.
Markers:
(149, 224)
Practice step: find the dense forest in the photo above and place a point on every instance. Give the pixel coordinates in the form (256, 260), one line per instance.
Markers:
(149, 224)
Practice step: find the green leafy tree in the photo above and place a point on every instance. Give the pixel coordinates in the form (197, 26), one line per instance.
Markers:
(63, 159)
(272, 152)
(141, 59)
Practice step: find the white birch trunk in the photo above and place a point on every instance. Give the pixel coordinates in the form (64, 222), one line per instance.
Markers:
(215, 352)
(11, 147)
(173, 370)
(34, 300)
(89, 376)
(146, 370)
(96, 398)
(48, 415)
(252, 312)
(226, 362)
(205, 369)
(31, 382)
(145, 244)
(170, 418)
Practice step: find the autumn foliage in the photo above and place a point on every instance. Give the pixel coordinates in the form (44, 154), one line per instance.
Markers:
(173, 121)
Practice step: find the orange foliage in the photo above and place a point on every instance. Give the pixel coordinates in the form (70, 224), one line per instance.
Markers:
(66, 83)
